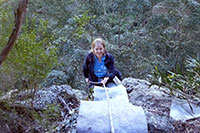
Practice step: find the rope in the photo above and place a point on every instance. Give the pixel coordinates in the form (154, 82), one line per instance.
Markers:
(109, 110)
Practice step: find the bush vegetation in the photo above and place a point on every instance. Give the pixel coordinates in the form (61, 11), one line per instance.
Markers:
(56, 36)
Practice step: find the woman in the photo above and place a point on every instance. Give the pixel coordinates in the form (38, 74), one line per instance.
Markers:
(98, 65)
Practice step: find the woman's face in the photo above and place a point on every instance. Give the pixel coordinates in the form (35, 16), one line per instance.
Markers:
(99, 50)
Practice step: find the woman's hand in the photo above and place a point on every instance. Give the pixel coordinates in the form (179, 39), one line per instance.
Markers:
(87, 80)
(104, 81)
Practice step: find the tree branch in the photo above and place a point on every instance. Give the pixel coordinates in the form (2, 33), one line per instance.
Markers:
(21, 10)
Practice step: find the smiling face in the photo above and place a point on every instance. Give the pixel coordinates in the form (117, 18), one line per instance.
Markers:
(98, 47)
(99, 50)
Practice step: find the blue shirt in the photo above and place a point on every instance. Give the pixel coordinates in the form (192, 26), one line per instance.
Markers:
(100, 70)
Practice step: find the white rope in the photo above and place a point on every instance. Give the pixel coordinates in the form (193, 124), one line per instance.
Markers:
(109, 110)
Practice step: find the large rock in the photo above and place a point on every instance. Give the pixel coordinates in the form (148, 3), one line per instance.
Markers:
(155, 102)
(47, 96)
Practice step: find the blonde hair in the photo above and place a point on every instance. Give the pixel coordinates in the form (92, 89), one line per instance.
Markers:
(96, 41)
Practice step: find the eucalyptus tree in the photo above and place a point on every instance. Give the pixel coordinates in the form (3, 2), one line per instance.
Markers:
(174, 32)
(136, 32)
(20, 13)
(33, 55)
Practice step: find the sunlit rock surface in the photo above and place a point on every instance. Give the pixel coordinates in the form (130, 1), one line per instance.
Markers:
(94, 115)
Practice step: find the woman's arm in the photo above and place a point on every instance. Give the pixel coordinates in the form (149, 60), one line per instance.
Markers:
(112, 70)
(86, 67)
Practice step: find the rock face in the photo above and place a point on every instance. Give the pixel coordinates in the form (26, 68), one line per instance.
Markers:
(49, 95)
(59, 103)
(156, 103)
(67, 98)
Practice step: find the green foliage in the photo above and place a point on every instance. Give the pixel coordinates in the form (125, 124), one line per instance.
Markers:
(47, 117)
(157, 24)
(50, 115)
(18, 116)
(81, 21)
(6, 22)
(183, 85)
(33, 55)
(137, 38)
(6, 25)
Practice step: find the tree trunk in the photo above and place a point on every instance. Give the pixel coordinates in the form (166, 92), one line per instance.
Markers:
(21, 10)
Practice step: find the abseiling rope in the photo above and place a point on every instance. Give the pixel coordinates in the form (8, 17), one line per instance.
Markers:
(109, 111)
